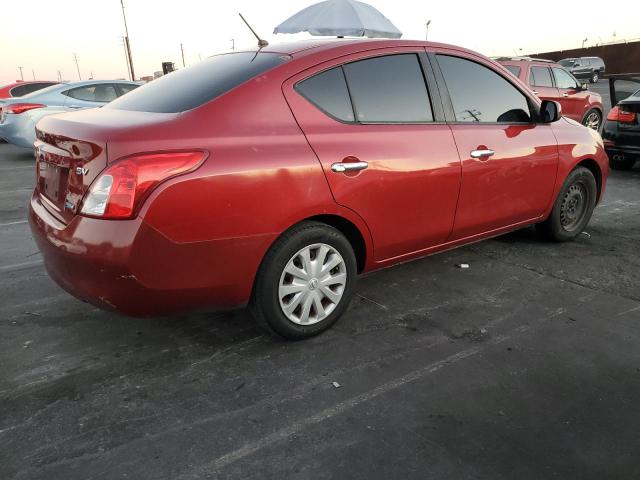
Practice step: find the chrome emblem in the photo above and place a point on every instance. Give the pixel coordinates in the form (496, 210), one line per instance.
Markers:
(81, 171)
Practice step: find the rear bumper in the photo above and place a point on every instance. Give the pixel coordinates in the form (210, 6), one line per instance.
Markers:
(620, 142)
(130, 267)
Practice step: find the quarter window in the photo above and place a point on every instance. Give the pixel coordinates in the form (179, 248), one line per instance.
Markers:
(564, 79)
(328, 91)
(513, 69)
(540, 77)
(479, 94)
(389, 89)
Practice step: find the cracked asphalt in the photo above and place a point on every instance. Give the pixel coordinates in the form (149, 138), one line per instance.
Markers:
(526, 365)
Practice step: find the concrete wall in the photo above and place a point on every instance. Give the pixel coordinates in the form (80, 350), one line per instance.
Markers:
(618, 57)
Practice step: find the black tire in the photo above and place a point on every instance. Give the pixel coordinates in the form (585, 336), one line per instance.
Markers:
(265, 302)
(594, 77)
(567, 220)
(621, 162)
(587, 120)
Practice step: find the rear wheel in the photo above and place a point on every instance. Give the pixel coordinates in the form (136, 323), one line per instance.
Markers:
(619, 161)
(594, 77)
(305, 282)
(593, 119)
(573, 207)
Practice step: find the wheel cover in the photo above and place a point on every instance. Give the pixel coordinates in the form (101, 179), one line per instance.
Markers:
(312, 284)
(574, 206)
(592, 121)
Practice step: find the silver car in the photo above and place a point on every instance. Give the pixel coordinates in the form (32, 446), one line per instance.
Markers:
(18, 116)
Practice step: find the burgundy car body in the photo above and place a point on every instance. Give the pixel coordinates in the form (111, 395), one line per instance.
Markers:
(575, 102)
(199, 238)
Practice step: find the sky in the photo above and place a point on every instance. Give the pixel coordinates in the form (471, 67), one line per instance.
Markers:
(43, 35)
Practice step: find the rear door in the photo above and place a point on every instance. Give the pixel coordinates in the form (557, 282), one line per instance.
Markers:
(373, 112)
(542, 84)
(572, 97)
(509, 162)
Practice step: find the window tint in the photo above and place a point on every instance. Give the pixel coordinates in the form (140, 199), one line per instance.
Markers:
(21, 90)
(564, 79)
(328, 91)
(513, 69)
(389, 89)
(126, 87)
(192, 86)
(540, 77)
(479, 94)
(102, 92)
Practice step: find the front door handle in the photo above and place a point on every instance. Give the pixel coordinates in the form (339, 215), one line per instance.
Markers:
(349, 166)
(565, 94)
(481, 153)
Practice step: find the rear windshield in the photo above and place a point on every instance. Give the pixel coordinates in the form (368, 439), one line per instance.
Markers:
(195, 85)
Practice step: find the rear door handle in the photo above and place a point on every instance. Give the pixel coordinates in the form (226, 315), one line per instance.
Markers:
(349, 166)
(565, 94)
(535, 93)
(485, 154)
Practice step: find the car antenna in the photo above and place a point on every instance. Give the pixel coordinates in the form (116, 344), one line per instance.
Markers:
(261, 42)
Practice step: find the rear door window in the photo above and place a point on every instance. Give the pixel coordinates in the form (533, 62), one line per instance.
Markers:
(328, 91)
(540, 77)
(479, 94)
(126, 88)
(103, 92)
(389, 89)
(199, 83)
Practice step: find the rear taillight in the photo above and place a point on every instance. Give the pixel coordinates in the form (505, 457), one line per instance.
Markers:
(120, 189)
(616, 114)
(17, 108)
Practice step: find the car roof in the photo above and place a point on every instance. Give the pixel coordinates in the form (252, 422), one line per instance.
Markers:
(538, 62)
(346, 45)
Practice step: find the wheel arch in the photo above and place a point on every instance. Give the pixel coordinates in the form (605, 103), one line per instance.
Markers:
(594, 168)
(349, 230)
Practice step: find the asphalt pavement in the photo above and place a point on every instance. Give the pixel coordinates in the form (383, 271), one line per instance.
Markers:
(524, 366)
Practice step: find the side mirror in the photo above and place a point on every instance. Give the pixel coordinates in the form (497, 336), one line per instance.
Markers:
(550, 111)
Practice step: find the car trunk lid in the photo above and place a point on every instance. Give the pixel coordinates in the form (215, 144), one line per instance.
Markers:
(71, 151)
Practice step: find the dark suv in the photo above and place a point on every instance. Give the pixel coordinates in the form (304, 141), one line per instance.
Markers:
(590, 68)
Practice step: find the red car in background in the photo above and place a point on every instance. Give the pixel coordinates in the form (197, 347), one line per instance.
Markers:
(274, 177)
(551, 81)
(19, 89)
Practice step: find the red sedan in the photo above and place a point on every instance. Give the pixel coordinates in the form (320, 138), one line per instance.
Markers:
(273, 178)
(20, 89)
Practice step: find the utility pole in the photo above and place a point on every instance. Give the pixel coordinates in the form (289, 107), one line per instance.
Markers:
(75, 59)
(126, 56)
(127, 44)
(182, 50)
(33, 72)
(233, 44)
(21, 76)
(426, 37)
(584, 41)
(59, 76)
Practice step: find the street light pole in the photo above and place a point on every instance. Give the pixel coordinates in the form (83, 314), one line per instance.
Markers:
(426, 36)
(21, 76)
(126, 42)
(584, 41)
(182, 50)
(233, 44)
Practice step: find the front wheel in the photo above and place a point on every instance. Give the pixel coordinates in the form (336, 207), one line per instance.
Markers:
(305, 282)
(573, 207)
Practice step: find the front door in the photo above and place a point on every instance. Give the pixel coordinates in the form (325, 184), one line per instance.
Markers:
(370, 121)
(508, 161)
(572, 98)
(542, 84)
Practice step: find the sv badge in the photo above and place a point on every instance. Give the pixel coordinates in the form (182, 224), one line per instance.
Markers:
(81, 171)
